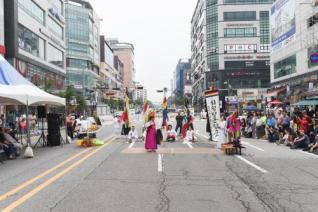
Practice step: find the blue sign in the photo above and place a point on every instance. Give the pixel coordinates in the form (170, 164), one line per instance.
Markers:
(314, 57)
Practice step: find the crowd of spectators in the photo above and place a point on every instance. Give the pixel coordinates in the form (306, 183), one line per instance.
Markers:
(297, 130)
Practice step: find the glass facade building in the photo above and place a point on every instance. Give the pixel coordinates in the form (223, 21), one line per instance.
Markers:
(83, 55)
(34, 35)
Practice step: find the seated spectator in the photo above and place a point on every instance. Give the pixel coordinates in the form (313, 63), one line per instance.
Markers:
(273, 135)
(313, 147)
(11, 139)
(301, 142)
(171, 134)
(7, 147)
(132, 135)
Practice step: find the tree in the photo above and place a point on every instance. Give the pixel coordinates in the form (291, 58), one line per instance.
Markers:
(179, 101)
(81, 103)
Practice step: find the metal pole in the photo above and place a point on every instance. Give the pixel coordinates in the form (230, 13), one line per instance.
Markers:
(27, 123)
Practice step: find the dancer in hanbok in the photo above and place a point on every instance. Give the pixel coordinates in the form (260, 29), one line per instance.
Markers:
(233, 127)
(150, 142)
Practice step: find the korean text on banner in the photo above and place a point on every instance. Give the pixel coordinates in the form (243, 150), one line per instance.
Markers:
(213, 106)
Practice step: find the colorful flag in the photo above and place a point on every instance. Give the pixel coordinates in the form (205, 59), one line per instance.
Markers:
(125, 116)
(165, 112)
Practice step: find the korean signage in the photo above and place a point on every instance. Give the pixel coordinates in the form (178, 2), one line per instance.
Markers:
(314, 58)
(214, 115)
(283, 25)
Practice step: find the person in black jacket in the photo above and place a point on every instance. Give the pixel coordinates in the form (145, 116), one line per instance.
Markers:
(179, 120)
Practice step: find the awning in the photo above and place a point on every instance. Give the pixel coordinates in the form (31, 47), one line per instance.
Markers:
(276, 92)
(308, 102)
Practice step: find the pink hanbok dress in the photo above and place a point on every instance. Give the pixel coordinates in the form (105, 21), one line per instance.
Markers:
(150, 142)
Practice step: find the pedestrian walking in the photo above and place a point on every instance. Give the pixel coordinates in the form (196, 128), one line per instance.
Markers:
(179, 120)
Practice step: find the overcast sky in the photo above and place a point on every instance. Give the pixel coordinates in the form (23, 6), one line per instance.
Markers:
(159, 30)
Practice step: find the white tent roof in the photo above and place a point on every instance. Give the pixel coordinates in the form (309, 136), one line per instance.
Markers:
(15, 89)
(28, 95)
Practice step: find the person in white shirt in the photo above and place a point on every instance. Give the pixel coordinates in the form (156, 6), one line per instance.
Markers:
(171, 134)
(189, 136)
(132, 135)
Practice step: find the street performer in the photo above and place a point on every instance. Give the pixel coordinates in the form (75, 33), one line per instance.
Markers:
(150, 142)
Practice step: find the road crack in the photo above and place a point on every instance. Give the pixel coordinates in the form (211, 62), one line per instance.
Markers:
(164, 204)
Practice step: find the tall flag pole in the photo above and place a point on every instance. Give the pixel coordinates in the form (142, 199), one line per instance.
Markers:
(125, 116)
(145, 110)
(165, 109)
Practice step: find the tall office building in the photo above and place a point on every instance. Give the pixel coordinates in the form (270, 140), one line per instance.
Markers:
(182, 70)
(230, 42)
(125, 52)
(109, 75)
(83, 46)
(35, 40)
(294, 58)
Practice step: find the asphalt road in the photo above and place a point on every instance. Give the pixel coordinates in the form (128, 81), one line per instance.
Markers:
(122, 177)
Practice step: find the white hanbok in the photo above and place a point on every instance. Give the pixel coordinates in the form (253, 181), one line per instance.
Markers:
(222, 135)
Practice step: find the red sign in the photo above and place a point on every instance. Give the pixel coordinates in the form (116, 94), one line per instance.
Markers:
(2, 49)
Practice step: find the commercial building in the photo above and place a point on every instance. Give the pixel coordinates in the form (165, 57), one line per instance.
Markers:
(294, 58)
(2, 46)
(182, 70)
(125, 53)
(230, 42)
(110, 76)
(141, 93)
(35, 40)
(83, 46)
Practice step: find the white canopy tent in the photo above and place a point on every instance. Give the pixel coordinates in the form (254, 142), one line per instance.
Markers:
(28, 95)
(17, 90)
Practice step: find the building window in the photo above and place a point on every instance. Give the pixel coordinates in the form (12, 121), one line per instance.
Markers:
(264, 31)
(58, 6)
(30, 42)
(55, 28)
(248, 1)
(78, 49)
(265, 48)
(32, 9)
(240, 32)
(239, 16)
(77, 63)
(285, 67)
(55, 56)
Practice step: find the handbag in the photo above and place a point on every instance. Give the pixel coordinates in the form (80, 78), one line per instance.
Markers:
(28, 153)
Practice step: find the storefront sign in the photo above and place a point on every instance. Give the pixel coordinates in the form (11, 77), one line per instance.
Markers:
(240, 48)
(314, 57)
(214, 115)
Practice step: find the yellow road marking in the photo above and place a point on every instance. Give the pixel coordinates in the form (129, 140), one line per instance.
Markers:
(47, 172)
(30, 194)
(32, 180)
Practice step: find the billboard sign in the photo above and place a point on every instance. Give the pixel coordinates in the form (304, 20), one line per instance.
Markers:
(283, 24)
(214, 114)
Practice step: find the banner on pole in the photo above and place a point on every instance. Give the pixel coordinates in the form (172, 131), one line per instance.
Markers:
(214, 114)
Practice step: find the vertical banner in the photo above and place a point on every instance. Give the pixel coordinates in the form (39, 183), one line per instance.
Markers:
(214, 114)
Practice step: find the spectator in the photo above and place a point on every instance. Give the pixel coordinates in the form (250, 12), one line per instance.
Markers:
(8, 147)
(18, 146)
(171, 134)
(189, 136)
(259, 127)
(313, 148)
(132, 135)
(303, 124)
(271, 121)
(286, 121)
(302, 141)
(273, 135)
(179, 120)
